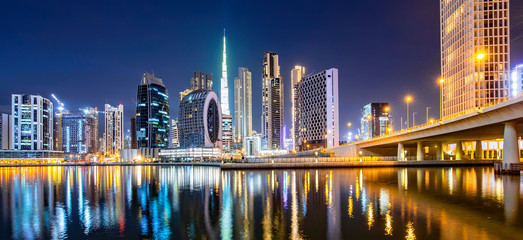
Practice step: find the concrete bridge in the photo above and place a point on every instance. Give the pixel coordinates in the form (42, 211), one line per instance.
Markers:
(500, 121)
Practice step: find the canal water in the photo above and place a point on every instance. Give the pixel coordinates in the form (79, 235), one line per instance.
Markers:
(161, 202)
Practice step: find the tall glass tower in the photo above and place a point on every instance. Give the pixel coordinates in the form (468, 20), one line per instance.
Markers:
(152, 113)
(224, 82)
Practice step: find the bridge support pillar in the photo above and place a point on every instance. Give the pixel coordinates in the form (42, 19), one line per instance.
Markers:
(478, 155)
(459, 150)
(439, 151)
(401, 152)
(419, 151)
(510, 146)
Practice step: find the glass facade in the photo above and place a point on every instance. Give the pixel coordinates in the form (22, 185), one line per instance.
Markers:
(152, 113)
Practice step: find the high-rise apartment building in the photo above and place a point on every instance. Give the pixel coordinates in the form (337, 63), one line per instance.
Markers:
(134, 140)
(5, 131)
(318, 115)
(201, 80)
(152, 113)
(224, 92)
(516, 79)
(80, 132)
(296, 75)
(32, 127)
(242, 104)
(272, 101)
(475, 54)
(227, 135)
(375, 120)
(114, 130)
(175, 135)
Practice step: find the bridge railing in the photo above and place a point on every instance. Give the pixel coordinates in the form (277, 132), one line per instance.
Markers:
(315, 159)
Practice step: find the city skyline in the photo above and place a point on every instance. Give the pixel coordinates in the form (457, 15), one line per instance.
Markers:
(55, 66)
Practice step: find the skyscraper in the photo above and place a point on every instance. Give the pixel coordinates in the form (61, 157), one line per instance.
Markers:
(114, 131)
(5, 131)
(272, 105)
(201, 80)
(375, 120)
(175, 135)
(152, 113)
(80, 132)
(32, 127)
(475, 54)
(134, 140)
(224, 82)
(296, 74)
(516, 79)
(242, 104)
(318, 114)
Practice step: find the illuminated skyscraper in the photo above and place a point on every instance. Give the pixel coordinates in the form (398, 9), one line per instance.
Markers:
(296, 74)
(242, 104)
(375, 120)
(272, 105)
(32, 127)
(152, 113)
(201, 80)
(475, 54)
(224, 82)
(318, 115)
(114, 134)
(6, 123)
(80, 132)
(175, 135)
(516, 86)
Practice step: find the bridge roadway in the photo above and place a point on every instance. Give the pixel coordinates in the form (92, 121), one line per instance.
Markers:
(500, 121)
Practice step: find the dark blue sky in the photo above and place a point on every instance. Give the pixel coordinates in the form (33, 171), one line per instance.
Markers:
(90, 53)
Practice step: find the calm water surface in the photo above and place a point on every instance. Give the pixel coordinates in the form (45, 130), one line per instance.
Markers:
(162, 202)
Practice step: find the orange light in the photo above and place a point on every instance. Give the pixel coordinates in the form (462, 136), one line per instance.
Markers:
(386, 109)
(369, 117)
(480, 56)
(408, 98)
(441, 81)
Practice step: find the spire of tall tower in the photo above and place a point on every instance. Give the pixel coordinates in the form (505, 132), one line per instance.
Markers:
(224, 92)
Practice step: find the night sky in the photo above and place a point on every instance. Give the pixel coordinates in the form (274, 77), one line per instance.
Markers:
(90, 53)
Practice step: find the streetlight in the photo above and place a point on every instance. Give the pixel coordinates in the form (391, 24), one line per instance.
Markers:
(427, 114)
(441, 81)
(480, 56)
(348, 132)
(408, 99)
(414, 118)
(369, 135)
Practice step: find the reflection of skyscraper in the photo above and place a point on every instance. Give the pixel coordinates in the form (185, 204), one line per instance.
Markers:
(114, 135)
(475, 53)
(152, 113)
(296, 74)
(32, 122)
(242, 104)
(272, 105)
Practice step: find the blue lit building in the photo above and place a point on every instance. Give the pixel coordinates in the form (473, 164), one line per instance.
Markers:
(80, 132)
(152, 113)
(32, 127)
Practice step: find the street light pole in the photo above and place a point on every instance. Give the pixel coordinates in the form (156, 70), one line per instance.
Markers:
(408, 99)
(414, 119)
(428, 114)
(441, 81)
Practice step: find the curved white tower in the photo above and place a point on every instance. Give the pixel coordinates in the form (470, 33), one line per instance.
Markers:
(224, 92)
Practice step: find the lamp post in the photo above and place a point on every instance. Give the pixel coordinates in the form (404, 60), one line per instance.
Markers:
(441, 81)
(408, 99)
(369, 135)
(428, 114)
(348, 131)
(414, 119)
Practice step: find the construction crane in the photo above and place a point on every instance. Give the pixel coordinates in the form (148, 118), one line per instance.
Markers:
(60, 104)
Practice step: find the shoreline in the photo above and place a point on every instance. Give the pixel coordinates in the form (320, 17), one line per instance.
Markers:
(240, 166)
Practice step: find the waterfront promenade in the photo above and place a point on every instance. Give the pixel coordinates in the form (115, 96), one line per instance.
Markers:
(289, 165)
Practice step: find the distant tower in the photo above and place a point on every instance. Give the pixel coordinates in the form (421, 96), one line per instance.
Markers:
(296, 74)
(242, 104)
(224, 82)
(114, 134)
(272, 105)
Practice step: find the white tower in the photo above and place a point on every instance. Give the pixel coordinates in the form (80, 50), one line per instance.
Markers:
(224, 82)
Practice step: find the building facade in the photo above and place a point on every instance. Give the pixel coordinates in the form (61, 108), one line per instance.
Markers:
(296, 75)
(318, 116)
(152, 113)
(175, 135)
(227, 134)
(80, 132)
(272, 101)
(516, 86)
(5, 131)
(475, 54)
(200, 120)
(252, 146)
(242, 104)
(32, 127)
(375, 120)
(201, 81)
(114, 129)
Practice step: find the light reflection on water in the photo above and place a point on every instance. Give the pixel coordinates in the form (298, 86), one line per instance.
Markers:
(204, 202)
